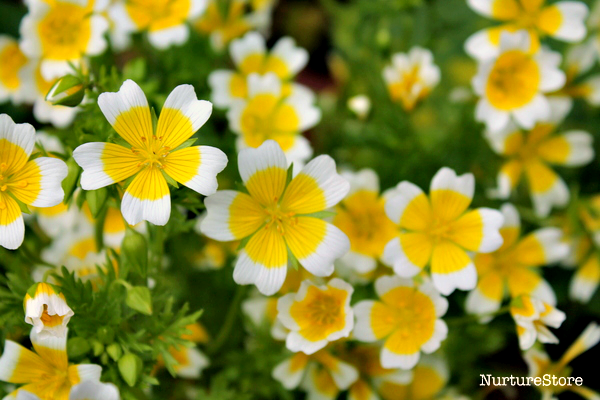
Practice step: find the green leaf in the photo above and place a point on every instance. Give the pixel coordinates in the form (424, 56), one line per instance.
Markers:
(186, 144)
(96, 200)
(292, 260)
(321, 214)
(154, 120)
(22, 206)
(169, 180)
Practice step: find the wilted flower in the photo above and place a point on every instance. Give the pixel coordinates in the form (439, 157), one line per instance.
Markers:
(47, 310)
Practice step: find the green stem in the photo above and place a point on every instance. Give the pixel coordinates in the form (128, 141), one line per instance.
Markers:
(476, 317)
(229, 322)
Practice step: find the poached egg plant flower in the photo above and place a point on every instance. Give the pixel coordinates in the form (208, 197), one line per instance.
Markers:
(532, 317)
(512, 85)
(278, 218)
(440, 230)
(23, 181)
(47, 310)
(152, 153)
(316, 315)
(407, 317)
(563, 20)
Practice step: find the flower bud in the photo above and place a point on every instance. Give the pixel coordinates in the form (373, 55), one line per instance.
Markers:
(135, 250)
(47, 310)
(114, 351)
(130, 367)
(67, 91)
(360, 105)
(138, 298)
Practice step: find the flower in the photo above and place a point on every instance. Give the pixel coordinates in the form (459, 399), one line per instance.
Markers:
(411, 77)
(152, 153)
(316, 315)
(360, 105)
(428, 380)
(47, 310)
(563, 20)
(11, 62)
(361, 216)
(250, 55)
(321, 374)
(45, 373)
(513, 84)
(165, 20)
(191, 361)
(35, 88)
(224, 28)
(275, 219)
(31, 182)
(269, 113)
(529, 153)
(579, 60)
(532, 315)
(60, 32)
(540, 364)
(514, 266)
(439, 231)
(407, 317)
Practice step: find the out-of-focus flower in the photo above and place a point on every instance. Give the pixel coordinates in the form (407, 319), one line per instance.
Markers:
(513, 84)
(532, 317)
(429, 378)
(250, 56)
(407, 317)
(578, 61)
(11, 62)
(360, 105)
(191, 361)
(47, 310)
(61, 32)
(164, 20)
(152, 154)
(316, 315)
(92, 390)
(321, 374)
(529, 153)
(563, 20)
(361, 216)
(224, 28)
(32, 182)
(513, 268)
(269, 113)
(45, 373)
(540, 364)
(276, 218)
(439, 231)
(411, 77)
(35, 88)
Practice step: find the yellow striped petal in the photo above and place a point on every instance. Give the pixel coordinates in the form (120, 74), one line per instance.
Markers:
(231, 216)
(478, 230)
(264, 172)
(39, 183)
(12, 228)
(409, 207)
(16, 144)
(564, 20)
(452, 268)
(105, 163)
(19, 365)
(196, 167)
(147, 198)
(451, 194)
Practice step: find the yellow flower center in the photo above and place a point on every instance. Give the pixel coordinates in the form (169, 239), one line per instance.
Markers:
(320, 313)
(11, 61)
(154, 154)
(51, 321)
(403, 90)
(65, 31)
(266, 117)
(324, 309)
(514, 80)
(279, 218)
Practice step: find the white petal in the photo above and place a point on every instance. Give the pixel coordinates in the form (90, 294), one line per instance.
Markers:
(168, 37)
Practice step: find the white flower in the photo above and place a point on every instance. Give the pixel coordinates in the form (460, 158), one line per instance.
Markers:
(47, 310)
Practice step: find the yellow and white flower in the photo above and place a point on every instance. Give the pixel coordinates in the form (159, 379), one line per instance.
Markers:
(512, 85)
(529, 153)
(361, 216)
(276, 217)
(579, 60)
(164, 20)
(224, 28)
(152, 153)
(92, 390)
(250, 55)
(407, 318)
(427, 381)
(439, 231)
(45, 372)
(270, 113)
(514, 267)
(47, 310)
(316, 315)
(540, 364)
(562, 20)
(532, 317)
(586, 279)
(35, 88)
(32, 182)
(12, 61)
(411, 77)
(60, 32)
(321, 374)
